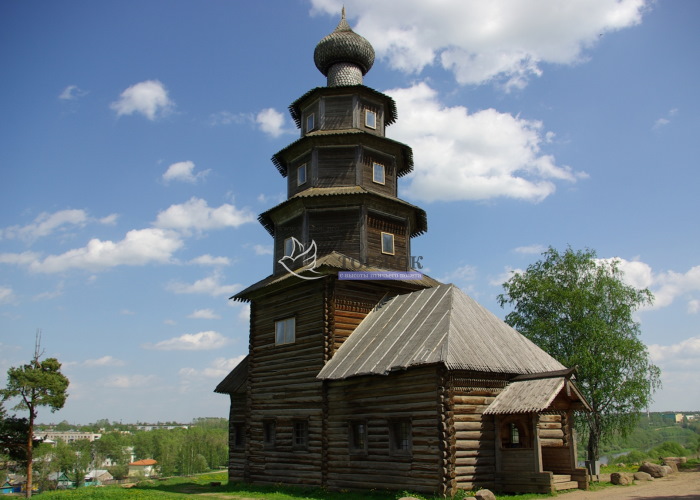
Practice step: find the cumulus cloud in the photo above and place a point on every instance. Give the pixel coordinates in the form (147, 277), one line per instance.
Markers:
(195, 214)
(201, 341)
(149, 98)
(211, 285)
(204, 314)
(271, 122)
(209, 260)
(504, 41)
(473, 156)
(71, 93)
(218, 368)
(183, 171)
(262, 249)
(46, 224)
(460, 274)
(685, 354)
(130, 381)
(139, 247)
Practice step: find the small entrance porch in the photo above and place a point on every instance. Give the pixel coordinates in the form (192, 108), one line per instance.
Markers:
(535, 437)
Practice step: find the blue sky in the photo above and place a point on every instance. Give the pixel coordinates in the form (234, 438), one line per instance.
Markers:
(135, 145)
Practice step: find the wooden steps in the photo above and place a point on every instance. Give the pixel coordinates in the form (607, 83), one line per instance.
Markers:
(563, 482)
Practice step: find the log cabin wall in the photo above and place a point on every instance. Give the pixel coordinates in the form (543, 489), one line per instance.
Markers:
(383, 404)
(336, 166)
(337, 112)
(336, 230)
(293, 185)
(475, 443)
(237, 435)
(366, 105)
(291, 228)
(376, 225)
(285, 410)
(556, 441)
(369, 158)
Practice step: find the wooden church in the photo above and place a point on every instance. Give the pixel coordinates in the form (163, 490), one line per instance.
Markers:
(362, 373)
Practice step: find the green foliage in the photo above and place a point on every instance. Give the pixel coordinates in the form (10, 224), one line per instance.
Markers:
(578, 309)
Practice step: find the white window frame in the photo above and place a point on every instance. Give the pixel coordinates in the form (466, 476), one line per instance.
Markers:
(370, 123)
(301, 174)
(385, 250)
(310, 122)
(285, 331)
(378, 167)
(288, 247)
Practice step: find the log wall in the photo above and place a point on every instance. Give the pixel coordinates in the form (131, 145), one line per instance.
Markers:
(283, 388)
(236, 454)
(377, 400)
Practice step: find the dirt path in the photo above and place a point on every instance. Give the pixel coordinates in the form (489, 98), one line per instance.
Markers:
(681, 486)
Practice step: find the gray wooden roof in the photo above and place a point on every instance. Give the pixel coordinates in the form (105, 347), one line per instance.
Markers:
(435, 325)
(535, 396)
(235, 381)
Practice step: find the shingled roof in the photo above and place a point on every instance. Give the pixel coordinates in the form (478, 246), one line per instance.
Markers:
(436, 325)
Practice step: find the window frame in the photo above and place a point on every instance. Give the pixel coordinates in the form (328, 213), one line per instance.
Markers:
(238, 440)
(285, 337)
(310, 122)
(300, 434)
(371, 123)
(385, 250)
(269, 432)
(358, 437)
(302, 172)
(401, 436)
(375, 177)
(288, 242)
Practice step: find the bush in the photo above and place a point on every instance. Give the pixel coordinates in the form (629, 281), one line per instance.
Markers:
(633, 457)
(669, 449)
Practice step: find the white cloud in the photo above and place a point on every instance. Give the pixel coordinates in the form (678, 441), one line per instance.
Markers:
(684, 354)
(204, 314)
(460, 274)
(149, 98)
(271, 122)
(46, 224)
(139, 247)
(499, 40)
(662, 122)
(262, 249)
(211, 285)
(195, 214)
(71, 93)
(130, 381)
(183, 171)
(209, 260)
(218, 368)
(7, 295)
(227, 118)
(103, 361)
(191, 342)
(531, 249)
(477, 156)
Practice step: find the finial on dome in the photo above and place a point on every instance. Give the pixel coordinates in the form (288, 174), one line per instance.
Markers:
(344, 57)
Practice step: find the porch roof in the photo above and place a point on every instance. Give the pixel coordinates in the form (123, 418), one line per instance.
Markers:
(538, 395)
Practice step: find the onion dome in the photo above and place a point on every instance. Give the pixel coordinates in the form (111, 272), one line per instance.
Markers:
(344, 57)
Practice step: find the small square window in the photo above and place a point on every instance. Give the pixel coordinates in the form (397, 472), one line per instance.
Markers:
(310, 122)
(358, 436)
(400, 436)
(378, 173)
(285, 331)
(269, 433)
(300, 437)
(370, 118)
(388, 243)
(301, 175)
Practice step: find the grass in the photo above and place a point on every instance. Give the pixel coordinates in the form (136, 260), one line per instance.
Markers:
(203, 485)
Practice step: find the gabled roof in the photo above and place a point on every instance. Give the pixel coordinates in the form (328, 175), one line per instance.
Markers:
(236, 380)
(145, 461)
(537, 395)
(435, 325)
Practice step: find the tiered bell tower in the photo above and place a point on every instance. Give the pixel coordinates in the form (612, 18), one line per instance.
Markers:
(342, 172)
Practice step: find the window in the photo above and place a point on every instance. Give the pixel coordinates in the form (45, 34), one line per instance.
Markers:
(269, 433)
(301, 175)
(514, 436)
(388, 243)
(284, 331)
(310, 122)
(288, 246)
(400, 436)
(370, 118)
(238, 435)
(358, 436)
(300, 437)
(378, 174)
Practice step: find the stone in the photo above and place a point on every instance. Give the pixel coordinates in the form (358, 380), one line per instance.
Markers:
(621, 478)
(672, 462)
(653, 469)
(668, 469)
(642, 476)
(485, 495)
